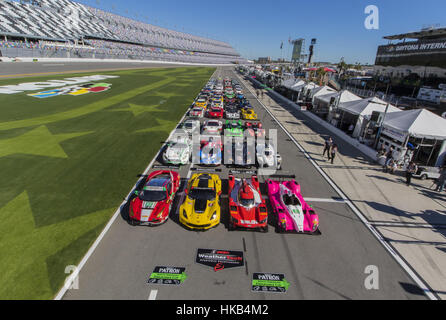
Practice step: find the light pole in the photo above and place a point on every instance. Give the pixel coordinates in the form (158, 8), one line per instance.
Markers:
(378, 135)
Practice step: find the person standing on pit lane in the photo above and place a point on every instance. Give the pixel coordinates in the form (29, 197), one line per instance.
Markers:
(441, 182)
(327, 147)
(410, 171)
(333, 152)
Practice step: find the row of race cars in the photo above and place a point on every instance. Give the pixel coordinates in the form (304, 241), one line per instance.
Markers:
(152, 201)
(246, 144)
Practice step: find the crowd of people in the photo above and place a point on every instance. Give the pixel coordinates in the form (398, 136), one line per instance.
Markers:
(410, 168)
(110, 49)
(19, 44)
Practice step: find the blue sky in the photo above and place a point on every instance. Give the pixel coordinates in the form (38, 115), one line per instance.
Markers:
(256, 28)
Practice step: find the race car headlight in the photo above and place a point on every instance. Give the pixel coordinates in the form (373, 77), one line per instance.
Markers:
(214, 216)
(315, 225)
(161, 213)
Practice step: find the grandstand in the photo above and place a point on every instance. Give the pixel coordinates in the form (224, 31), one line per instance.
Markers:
(66, 29)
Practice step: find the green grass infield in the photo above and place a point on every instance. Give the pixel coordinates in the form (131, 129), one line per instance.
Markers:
(66, 162)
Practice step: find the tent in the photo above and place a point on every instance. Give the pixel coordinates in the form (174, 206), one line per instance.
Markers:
(298, 85)
(419, 123)
(288, 83)
(344, 96)
(320, 91)
(366, 107)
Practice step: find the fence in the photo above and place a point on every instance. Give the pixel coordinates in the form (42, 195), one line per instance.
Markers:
(88, 53)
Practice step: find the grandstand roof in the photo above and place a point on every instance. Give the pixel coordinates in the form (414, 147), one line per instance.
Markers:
(426, 34)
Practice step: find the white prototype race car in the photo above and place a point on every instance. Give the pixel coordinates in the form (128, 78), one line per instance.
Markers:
(267, 157)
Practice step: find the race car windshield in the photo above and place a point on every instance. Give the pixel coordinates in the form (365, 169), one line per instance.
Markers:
(153, 196)
(179, 146)
(290, 200)
(213, 124)
(188, 125)
(202, 194)
(246, 202)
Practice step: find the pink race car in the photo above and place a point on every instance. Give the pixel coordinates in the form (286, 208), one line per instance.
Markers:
(293, 213)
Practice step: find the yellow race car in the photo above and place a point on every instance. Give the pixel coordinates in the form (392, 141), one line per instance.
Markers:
(201, 208)
(249, 114)
(202, 103)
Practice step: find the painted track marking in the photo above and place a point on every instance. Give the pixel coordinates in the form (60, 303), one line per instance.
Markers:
(153, 294)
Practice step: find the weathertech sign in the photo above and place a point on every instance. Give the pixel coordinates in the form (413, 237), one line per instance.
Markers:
(72, 86)
(220, 259)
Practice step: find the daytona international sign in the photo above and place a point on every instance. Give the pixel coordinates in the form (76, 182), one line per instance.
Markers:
(72, 85)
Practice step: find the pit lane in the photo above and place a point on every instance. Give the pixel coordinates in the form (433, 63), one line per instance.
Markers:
(329, 266)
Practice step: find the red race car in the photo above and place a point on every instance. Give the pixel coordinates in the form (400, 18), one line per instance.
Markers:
(215, 112)
(246, 205)
(154, 199)
(255, 129)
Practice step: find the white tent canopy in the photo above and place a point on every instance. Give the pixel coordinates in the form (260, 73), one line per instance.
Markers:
(344, 96)
(320, 91)
(311, 86)
(419, 123)
(288, 83)
(365, 107)
(298, 85)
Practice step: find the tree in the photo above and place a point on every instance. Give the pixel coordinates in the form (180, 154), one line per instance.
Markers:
(321, 73)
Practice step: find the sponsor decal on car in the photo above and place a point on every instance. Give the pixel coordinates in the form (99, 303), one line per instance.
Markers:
(77, 90)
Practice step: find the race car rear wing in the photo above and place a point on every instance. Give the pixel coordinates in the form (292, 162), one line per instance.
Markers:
(282, 176)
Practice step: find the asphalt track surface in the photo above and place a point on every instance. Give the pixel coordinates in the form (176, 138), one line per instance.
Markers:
(26, 69)
(329, 266)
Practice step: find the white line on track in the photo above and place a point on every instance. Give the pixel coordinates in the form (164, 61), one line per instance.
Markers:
(69, 280)
(331, 200)
(408, 224)
(372, 229)
(53, 65)
(153, 294)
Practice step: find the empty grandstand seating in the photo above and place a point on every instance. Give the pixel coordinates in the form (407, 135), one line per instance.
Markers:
(75, 30)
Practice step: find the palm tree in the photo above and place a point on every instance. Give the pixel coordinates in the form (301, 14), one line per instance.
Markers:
(321, 75)
(342, 66)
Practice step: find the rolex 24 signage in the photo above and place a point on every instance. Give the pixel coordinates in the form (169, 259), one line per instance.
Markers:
(71, 86)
